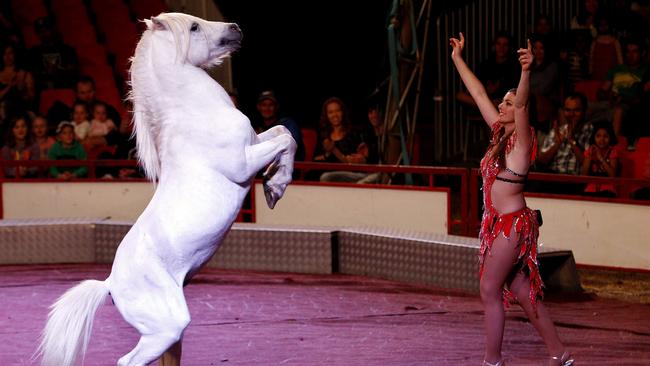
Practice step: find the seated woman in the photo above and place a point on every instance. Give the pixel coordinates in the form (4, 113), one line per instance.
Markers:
(19, 145)
(338, 142)
(601, 159)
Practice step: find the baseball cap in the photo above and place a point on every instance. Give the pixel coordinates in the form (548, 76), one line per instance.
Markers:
(268, 94)
(63, 124)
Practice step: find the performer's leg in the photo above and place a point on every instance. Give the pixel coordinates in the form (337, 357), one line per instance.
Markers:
(520, 287)
(172, 357)
(497, 266)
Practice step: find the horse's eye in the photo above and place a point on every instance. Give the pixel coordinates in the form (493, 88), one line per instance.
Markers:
(195, 27)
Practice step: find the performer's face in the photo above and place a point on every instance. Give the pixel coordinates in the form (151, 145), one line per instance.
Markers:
(507, 108)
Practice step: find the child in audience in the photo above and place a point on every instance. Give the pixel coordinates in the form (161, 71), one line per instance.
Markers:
(19, 145)
(39, 130)
(67, 148)
(101, 125)
(80, 120)
(601, 159)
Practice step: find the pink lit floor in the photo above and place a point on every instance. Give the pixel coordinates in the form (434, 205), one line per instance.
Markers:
(254, 318)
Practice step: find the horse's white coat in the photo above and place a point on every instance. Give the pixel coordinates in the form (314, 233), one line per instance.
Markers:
(204, 155)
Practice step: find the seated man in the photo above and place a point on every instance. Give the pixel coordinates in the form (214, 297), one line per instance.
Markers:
(267, 106)
(562, 151)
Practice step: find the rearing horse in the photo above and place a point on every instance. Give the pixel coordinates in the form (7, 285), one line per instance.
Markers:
(204, 155)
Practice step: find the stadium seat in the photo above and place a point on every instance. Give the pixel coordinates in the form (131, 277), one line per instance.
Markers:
(49, 96)
(589, 88)
(309, 140)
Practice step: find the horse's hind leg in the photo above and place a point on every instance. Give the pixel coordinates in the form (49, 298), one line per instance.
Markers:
(161, 324)
(149, 348)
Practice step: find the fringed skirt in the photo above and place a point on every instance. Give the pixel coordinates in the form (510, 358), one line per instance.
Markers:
(524, 223)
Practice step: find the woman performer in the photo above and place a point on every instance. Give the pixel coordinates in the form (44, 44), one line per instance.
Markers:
(509, 229)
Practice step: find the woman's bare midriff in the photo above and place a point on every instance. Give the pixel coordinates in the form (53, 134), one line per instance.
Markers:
(507, 197)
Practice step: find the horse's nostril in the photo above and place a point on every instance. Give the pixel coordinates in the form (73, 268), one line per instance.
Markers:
(235, 28)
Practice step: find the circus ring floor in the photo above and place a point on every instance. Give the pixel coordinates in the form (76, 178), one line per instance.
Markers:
(253, 317)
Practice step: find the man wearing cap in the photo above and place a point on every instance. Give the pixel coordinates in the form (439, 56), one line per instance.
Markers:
(267, 106)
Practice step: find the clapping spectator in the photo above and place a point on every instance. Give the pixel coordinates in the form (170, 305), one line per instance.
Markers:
(16, 83)
(601, 159)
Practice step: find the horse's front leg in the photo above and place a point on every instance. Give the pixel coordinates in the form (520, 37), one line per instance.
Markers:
(274, 149)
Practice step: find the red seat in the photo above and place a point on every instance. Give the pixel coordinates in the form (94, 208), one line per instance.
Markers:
(309, 140)
(27, 11)
(29, 36)
(49, 96)
(642, 159)
(589, 88)
(92, 55)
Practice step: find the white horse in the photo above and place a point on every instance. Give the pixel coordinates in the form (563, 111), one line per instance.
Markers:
(204, 156)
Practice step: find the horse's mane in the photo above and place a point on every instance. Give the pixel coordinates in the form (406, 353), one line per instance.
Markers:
(146, 116)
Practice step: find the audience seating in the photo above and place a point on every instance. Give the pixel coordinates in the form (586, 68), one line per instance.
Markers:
(309, 140)
(589, 88)
(49, 96)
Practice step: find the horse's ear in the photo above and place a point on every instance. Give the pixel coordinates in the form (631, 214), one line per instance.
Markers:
(155, 24)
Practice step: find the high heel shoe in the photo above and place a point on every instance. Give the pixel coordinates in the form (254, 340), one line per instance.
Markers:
(499, 363)
(565, 360)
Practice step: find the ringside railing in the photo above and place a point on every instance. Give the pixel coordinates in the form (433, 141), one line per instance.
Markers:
(463, 184)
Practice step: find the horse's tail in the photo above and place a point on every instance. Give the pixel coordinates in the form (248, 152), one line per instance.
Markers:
(70, 322)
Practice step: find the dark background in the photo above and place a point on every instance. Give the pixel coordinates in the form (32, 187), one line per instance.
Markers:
(309, 51)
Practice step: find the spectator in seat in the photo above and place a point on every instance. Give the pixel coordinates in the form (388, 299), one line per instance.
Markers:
(368, 149)
(44, 141)
(102, 129)
(563, 148)
(85, 90)
(605, 50)
(16, 83)
(67, 148)
(80, 120)
(623, 86)
(601, 159)
(268, 108)
(55, 64)
(20, 145)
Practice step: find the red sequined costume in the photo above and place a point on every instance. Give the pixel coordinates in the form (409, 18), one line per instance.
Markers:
(523, 222)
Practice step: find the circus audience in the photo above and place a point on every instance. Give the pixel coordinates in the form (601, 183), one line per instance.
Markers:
(268, 108)
(499, 72)
(623, 86)
(80, 120)
(54, 63)
(601, 159)
(338, 142)
(19, 145)
(67, 148)
(586, 17)
(16, 83)
(562, 150)
(544, 86)
(605, 50)
(44, 141)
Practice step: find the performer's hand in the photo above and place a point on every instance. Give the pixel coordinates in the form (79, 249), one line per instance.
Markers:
(457, 45)
(526, 57)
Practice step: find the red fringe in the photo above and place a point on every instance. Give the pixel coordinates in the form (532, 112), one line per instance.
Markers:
(524, 223)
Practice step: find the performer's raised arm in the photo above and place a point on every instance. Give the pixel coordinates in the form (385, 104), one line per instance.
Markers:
(472, 83)
(522, 126)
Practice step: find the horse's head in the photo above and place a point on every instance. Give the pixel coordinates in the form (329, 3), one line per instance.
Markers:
(192, 40)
